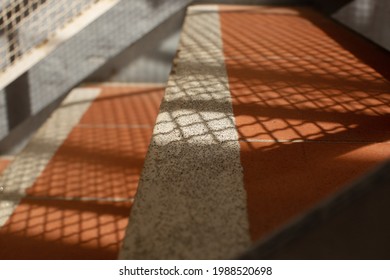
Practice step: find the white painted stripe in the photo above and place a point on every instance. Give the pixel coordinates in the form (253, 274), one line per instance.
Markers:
(28, 60)
(29, 164)
(191, 202)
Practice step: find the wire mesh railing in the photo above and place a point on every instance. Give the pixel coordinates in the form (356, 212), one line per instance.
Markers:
(26, 24)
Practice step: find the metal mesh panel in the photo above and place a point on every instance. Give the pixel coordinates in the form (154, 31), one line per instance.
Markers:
(25, 24)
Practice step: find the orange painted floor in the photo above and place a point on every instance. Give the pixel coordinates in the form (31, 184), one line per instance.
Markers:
(311, 103)
(79, 206)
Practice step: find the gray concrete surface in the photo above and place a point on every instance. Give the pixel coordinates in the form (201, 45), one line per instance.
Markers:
(3, 117)
(149, 60)
(191, 202)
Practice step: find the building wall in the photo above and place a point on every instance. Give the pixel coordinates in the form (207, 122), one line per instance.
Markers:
(370, 18)
(150, 59)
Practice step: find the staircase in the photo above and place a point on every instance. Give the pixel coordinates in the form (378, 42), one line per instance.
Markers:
(268, 112)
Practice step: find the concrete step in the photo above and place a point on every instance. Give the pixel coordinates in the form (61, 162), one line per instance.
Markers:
(268, 111)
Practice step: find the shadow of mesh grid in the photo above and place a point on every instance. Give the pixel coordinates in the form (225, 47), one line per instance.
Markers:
(268, 111)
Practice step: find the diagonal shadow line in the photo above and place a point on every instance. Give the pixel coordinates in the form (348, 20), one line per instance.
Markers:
(110, 159)
(294, 78)
(266, 75)
(120, 209)
(113, 96)
(286, 147)
(344, 118)
(257, 110)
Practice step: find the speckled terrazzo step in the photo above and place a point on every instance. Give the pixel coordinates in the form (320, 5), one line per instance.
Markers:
(191, 201)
